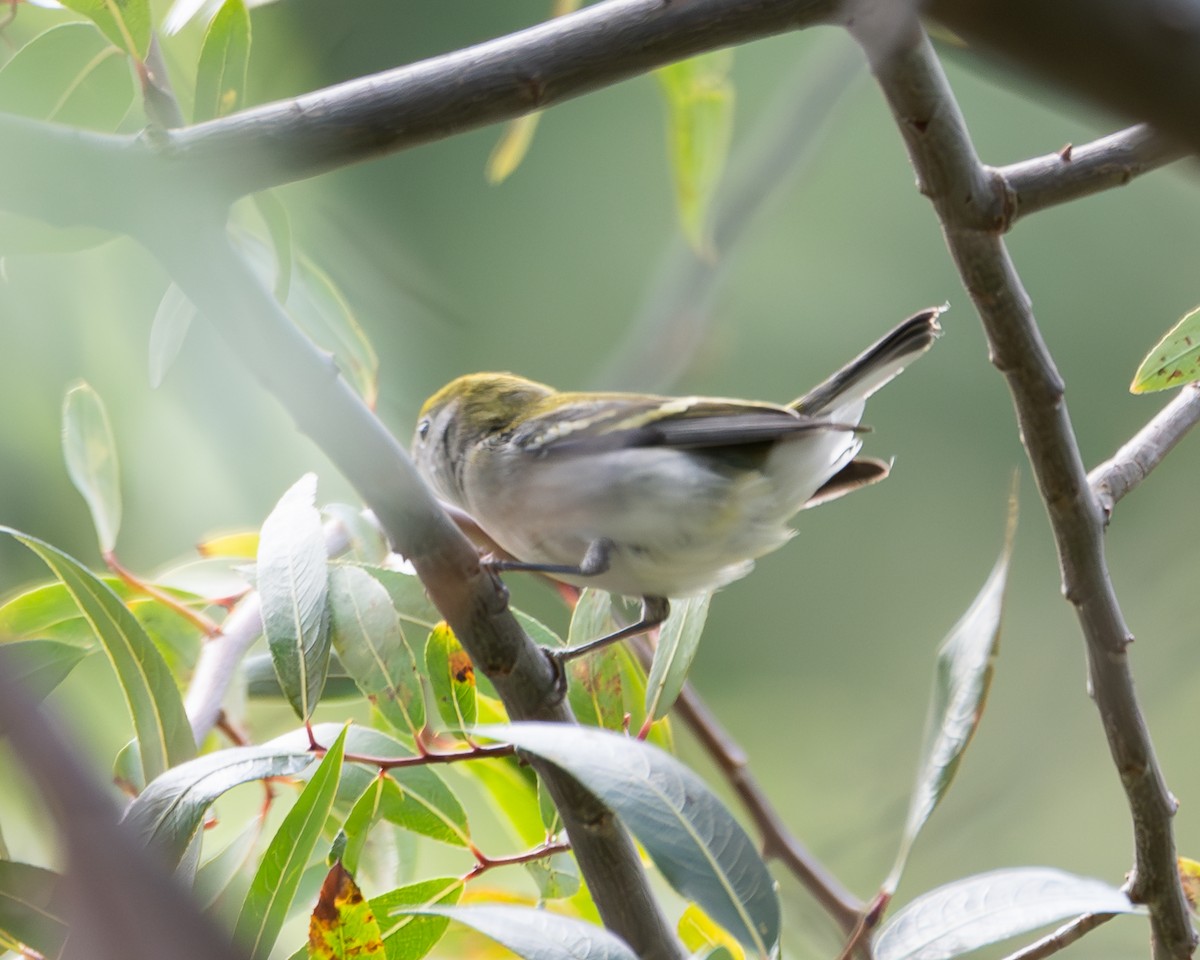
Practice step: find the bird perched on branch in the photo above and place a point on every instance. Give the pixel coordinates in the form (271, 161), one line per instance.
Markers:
(649, 496)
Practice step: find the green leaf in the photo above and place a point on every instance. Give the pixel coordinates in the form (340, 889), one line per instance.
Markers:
(415, 798)
(699, 100)
(163, 732)
(556, 876)
(678, 641)
(172, 320)
(1175, 359)
(49, 610)
(91, 455)
(170, 810)
(595, 691)
(342, 925)
(32, 908)
(224, 58)
(962, 677)
(695, 842)
(262, 683)
(514, 794)
(69, 74)
(991, 907)
(410, 937)
(371, 645)
(278, 878)
(216, 875)
(452, 678)
(125, 22)
(41, 665)
(363, 815)
(408, 597)
(512, 147)
(293, 584)
(538, 934)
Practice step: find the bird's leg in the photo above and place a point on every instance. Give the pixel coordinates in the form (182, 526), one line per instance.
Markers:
(654, 612)
(595, 562)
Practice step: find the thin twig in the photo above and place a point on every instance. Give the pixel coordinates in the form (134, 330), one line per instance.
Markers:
(1080, 171)
(1130, 465)
(952, 177)
(1061, 938)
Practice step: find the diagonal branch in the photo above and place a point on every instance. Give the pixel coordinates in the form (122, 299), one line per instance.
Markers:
(951, 175)
(198, 254)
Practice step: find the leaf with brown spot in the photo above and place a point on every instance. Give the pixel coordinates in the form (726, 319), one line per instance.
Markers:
(1175, 359)
(452, 677)
(342, 925)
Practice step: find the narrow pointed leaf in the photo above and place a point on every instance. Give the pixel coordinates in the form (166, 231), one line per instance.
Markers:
(556, 876)
(702, 936)
(511, 148)
(125, 22)
(293, 584)
(48, 609)
(32, 908)
(262, 682)
(452, 678)
(342, 925)
(689, 834)
(962, 678)
(1175, 359)
(170, 810)
(224, 58)
(991, 907)
(372, 647)
(91, 455)
(41, 665)
(411, 936)
(595, 690)
(699, 99)
(69, 74)
(172, 320)
(163, 732)
(538, 934)
(678, 641)
(216, 874)
(278, 878)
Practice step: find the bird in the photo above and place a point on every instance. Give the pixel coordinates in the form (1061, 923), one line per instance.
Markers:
(650, 497)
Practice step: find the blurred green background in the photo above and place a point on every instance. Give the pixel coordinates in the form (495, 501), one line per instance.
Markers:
(819, 662)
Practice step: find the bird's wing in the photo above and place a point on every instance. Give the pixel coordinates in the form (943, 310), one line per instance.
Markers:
(619, 421)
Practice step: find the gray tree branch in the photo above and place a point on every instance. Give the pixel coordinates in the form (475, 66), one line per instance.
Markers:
(200, 258)
(1130, 465)
(951, 175)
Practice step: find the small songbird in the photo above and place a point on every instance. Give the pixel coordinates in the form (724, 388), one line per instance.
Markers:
(649, 496)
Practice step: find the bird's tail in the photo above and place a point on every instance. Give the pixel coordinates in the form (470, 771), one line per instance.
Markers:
(875, 366)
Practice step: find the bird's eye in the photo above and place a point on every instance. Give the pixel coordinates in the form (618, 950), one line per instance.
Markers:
(423, 429)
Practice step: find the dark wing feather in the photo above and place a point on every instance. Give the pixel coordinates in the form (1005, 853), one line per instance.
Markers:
(620, 422)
